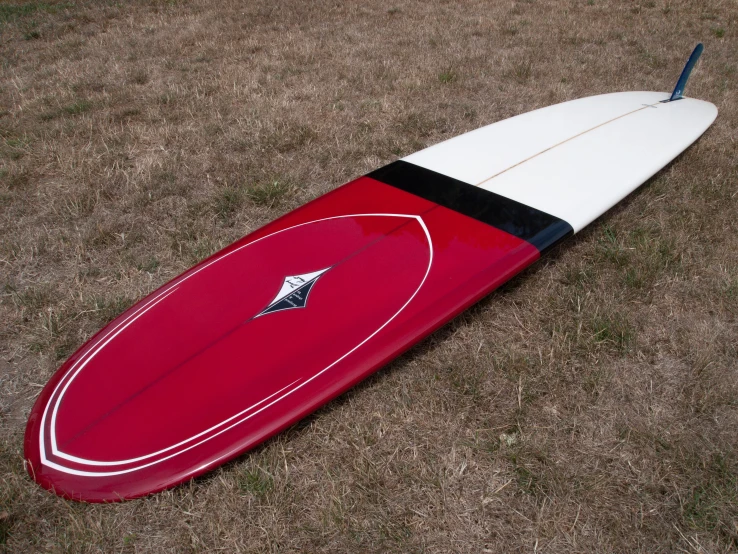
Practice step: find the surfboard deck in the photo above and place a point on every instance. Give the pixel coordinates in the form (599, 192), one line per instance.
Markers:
(262, 333)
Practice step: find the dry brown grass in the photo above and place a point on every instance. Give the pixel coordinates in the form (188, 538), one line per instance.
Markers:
(591, 405)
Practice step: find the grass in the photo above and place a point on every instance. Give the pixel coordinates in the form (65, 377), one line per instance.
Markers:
(590, 405)
(269, 194)
(12, 12)
(76, 108)
(228, 201)
(107, 309)
(255, 482)
(521, 71)
(614, 331)
(447, 77)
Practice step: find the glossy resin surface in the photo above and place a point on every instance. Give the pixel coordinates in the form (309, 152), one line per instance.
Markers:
(259, 335)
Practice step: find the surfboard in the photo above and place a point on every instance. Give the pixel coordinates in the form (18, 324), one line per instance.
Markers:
(265, 331)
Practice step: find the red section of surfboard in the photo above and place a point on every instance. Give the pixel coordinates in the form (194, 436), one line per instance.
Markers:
(200, 370)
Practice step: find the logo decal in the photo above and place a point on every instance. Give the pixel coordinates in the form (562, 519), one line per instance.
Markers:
(294, 292)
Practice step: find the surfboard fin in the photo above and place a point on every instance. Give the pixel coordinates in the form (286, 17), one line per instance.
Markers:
(682, 82)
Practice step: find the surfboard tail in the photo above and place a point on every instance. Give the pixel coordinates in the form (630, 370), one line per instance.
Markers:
(682, 82)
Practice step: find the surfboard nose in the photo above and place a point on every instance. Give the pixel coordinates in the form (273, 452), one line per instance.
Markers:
(206, 354)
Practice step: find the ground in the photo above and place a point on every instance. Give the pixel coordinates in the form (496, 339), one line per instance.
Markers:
(590, 405)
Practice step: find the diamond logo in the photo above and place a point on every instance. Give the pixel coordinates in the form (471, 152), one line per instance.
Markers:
(294, 292)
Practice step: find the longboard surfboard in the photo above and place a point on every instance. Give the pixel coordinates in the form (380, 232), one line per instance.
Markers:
(265, 331)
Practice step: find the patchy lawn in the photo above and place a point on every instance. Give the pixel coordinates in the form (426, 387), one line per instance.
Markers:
(591, 405)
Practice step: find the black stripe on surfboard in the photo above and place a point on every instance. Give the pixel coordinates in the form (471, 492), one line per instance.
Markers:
(540, 229)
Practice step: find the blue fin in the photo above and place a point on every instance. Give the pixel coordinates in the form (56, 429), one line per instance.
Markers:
(682, 82)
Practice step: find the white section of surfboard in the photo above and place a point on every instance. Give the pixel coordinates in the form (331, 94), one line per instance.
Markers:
(577, 159)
